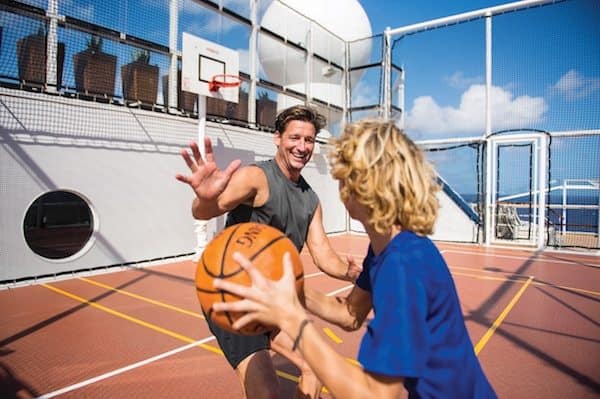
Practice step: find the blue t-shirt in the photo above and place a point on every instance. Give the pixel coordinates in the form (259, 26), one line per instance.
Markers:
(418, 331)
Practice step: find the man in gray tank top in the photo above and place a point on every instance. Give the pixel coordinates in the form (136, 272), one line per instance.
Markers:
(272, 192)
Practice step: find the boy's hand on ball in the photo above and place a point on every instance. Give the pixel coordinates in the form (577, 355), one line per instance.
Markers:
(266, 301)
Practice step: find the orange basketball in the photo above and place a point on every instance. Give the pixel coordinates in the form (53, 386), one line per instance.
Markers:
(264, 246)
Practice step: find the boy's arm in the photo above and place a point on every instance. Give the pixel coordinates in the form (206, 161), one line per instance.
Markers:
(347, 312)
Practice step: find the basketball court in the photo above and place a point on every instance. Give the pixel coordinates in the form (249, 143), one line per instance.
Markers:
(139, 332)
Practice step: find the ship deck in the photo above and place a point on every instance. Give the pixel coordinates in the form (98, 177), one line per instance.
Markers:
(533, 318)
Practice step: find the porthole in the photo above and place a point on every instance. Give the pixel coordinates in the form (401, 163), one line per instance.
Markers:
(58, 224)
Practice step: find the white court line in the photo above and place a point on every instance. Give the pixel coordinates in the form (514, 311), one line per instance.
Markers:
(155, 358)
(313, 274)
(332, 293)
(124, 369)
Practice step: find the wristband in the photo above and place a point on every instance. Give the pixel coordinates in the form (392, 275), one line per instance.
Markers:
(300, 331)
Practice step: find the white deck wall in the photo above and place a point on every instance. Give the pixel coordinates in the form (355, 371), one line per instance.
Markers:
(123, 161)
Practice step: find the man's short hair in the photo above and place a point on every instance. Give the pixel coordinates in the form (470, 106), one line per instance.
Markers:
(299, 113)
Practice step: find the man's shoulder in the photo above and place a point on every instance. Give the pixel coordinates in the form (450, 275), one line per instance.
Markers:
(251, 174)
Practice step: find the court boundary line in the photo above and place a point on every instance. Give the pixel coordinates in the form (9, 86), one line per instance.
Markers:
(201, 343)
(488, 334)
(125, 369)
(142, 298)
(127, 317)
(191, 342)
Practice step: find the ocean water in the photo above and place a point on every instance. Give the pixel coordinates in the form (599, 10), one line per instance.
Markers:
(577, 220)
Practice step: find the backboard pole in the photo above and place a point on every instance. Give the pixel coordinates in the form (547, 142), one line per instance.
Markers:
(201, 226)
(203, 63)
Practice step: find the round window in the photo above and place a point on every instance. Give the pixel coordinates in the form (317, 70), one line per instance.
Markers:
(58, 224)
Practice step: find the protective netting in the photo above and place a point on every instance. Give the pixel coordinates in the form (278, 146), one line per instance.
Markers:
(460, 165)
(544, 77)
(122, 52)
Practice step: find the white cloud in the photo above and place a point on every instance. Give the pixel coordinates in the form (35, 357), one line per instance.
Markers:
(573, 85)
(426, 116)
(364, 93)
(459, 81)
(218, 23)
(244, 64)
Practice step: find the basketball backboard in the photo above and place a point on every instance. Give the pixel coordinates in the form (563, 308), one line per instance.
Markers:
(201, 61)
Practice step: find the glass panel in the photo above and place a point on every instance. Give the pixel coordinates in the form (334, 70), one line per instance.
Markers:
(58, 225)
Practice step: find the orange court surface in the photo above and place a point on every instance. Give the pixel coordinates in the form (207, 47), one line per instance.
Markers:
(138, 332)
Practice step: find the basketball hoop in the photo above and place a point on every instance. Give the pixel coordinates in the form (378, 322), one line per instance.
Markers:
(223, 80)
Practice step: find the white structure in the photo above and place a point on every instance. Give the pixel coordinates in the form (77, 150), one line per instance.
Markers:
(122, 162)
(344, 18)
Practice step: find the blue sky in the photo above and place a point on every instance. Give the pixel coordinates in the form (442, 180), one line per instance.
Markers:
(396, 13)
(546, 66)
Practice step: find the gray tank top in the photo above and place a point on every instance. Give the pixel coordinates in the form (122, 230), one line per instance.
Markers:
(289, 208)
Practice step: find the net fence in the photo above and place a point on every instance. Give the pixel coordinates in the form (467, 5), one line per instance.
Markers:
(122, 53)
(545, 75)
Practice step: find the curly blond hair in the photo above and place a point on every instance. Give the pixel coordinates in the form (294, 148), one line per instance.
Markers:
(382, 169)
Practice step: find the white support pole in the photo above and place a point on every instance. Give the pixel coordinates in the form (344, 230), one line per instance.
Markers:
(489, 188)
(173, 70)
(542, 173)
(201, 123)
(452, 19)
(387, 72)
(564, 209)
(488, 75)
(346, 85)
(308, 65)
(52, 47)
(488, 131)
(535, 220)
(201, 226)
(253, 58)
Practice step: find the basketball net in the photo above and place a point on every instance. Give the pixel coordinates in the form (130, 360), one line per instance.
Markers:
(223, 81)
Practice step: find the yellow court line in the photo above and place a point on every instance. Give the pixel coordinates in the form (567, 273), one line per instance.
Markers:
(132, 319)
(487, 277)
(564, 287)
(488, 334)
(142, 298)
(520, 278)
(508, 275)
(332, 335)
(157, 328)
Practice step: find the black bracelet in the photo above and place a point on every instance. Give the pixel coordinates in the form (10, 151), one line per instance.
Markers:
(300, 331)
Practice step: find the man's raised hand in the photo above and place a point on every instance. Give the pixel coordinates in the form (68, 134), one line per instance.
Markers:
(206, 179)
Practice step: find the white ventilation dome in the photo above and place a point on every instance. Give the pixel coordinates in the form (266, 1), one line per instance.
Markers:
(282, 65)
